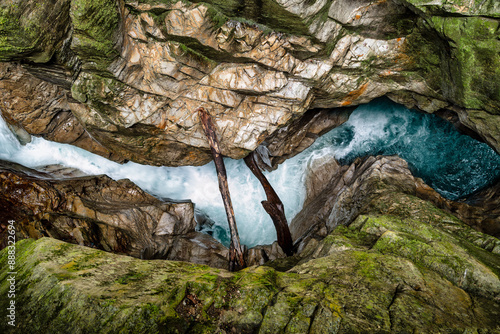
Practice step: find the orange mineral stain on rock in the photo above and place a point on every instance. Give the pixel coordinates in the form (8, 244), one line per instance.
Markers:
(353, 95)
(163, 122)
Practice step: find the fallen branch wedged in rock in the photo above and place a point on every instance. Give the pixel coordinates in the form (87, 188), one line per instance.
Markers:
(273, 206)
(236, 258)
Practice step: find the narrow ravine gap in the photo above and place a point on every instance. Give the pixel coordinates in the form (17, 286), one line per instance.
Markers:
(454, 164)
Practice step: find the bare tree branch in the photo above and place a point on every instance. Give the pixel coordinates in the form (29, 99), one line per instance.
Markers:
(273, 206)
(236, 258)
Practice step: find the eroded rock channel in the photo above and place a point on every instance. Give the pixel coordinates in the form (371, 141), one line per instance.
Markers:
(396, 217)
(118, 216)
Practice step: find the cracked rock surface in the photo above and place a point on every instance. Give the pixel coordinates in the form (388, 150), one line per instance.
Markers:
(128, 75)
(382, 273)
(384, 260)
(98, 212)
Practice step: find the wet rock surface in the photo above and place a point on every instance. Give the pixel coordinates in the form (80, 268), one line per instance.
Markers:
(115, 216)
(127, 76)
(32, 106)
(337, 194)
(99, 212)
(373, 257)
(391, 272)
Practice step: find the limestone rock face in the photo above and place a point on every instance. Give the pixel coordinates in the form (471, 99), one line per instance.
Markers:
(383, 273)
(32, 106)
(338, 194)
(128, 75)
(98, 212)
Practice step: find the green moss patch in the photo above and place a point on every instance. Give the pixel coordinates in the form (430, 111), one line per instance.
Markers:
(32, 29)
(96, 28)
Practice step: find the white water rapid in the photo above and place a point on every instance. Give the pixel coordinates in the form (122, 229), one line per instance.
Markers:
(454, 164)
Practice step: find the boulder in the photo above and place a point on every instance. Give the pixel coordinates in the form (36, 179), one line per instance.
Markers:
(99, 212)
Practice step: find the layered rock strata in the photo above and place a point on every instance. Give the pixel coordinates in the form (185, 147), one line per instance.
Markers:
(99, 212)
(129, 74)
(384, 273)
(32, 106)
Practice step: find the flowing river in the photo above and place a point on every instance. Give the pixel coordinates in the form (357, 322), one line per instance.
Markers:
(455, 165)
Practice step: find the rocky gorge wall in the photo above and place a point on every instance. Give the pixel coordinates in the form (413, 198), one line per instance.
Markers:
(411, 268)
(377, 249)
(371, 256)
(126, 76)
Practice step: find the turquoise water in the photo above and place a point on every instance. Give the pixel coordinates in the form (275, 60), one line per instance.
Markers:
(454, 164)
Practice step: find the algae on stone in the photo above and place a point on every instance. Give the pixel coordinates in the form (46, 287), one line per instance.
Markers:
(474, 60)
(96, 30)
(31, 29)
(383, 273)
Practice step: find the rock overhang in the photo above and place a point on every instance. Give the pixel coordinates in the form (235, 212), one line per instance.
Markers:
(156, 62)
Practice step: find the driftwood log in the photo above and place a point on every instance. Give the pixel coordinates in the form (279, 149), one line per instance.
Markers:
(273, 206)
(236, 258)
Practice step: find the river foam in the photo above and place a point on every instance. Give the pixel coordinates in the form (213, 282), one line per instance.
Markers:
(453, 164)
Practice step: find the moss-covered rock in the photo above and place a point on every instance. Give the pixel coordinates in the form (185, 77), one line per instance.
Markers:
(383, 273)
(429, 247)
(458, 55)
(96, 30)
(32, 29)
(474, 62)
